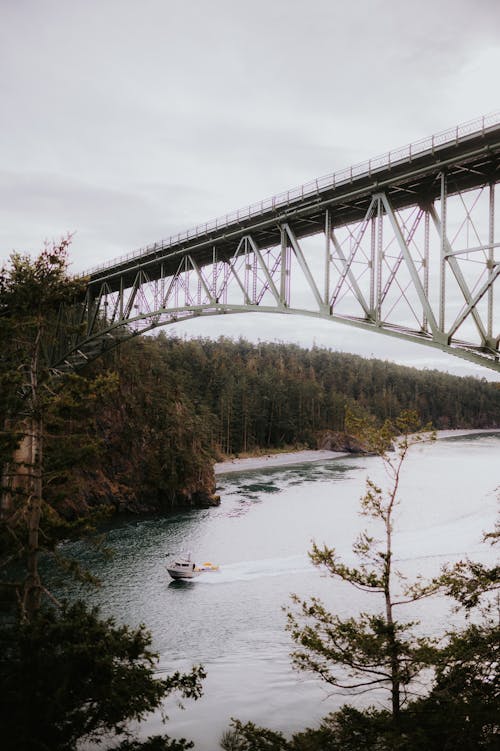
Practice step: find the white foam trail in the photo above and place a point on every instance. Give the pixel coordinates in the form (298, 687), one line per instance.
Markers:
(250, 570)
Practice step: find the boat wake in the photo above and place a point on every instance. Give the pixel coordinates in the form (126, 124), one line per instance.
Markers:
(250, 570)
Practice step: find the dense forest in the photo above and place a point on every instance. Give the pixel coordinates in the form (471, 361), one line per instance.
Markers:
(272, 395)
(176, 406)
(140, 430)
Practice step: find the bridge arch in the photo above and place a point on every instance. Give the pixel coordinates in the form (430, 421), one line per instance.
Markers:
(405, 245)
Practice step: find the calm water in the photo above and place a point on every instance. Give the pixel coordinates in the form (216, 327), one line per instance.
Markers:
(232, 621)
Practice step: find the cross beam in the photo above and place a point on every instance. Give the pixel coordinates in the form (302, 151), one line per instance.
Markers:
(405, 246)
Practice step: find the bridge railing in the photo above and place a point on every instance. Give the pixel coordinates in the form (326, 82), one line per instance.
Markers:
(315, 187)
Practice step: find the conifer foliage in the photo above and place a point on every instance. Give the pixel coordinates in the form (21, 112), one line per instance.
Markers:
(70, 675)
(66, 674)
(457, 702)
(31, 292)
(376, 649)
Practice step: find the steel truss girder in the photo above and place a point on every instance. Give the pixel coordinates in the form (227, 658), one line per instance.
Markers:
(386, 281)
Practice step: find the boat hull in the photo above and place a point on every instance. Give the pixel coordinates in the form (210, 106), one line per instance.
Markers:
(176, 574)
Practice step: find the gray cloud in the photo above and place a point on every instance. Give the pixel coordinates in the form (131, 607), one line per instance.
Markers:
(126, 122)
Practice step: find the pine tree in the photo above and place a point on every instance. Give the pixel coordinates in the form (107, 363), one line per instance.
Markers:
(66, 675)
(31, 293)
(373, 650)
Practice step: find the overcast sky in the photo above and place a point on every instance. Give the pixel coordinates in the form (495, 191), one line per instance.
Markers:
(124, 121)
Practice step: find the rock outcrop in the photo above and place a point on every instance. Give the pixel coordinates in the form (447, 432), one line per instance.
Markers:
(337, 441)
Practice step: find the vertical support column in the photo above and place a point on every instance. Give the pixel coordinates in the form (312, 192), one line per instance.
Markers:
(156, 293)
(162, 285)
(246, 268)
(90, 307)
(105, 305)
(215, 293)
(225, 284)
(187, 282)
(491, 240)
(254, 279)
(176, 288)
(328, 235)
(380, 255)
(442, 286)
(198, 292)
(285, 276)
(121, 293)
(373, 245)
(425, 322)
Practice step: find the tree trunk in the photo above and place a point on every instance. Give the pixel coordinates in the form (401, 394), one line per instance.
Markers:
(393, 647)
(16, 472)
(394, 661)
(33, 588)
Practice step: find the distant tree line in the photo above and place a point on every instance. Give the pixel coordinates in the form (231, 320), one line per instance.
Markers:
(167, 408)
(272, 395)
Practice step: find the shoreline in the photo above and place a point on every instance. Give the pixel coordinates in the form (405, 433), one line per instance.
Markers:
(312, 455)
(275, 460)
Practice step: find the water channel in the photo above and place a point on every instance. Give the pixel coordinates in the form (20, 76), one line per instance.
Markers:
(232, 621)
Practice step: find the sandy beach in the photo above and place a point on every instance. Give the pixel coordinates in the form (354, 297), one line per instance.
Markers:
(274, 460)
(299, 457)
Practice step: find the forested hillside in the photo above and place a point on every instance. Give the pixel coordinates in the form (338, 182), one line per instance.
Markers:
(139, 430)
(179, 405)
(271, 395)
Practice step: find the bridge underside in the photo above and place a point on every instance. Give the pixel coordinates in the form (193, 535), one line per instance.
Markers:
(407, 249)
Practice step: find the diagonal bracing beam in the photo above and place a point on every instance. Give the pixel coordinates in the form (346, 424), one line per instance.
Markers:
(347, 263)
(265, 270)
(304, 266)
(350, 275)
(457, 272)
(418, 286)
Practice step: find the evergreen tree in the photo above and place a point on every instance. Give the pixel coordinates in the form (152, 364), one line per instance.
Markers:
(462, 706)
(69, 676)
(31, 293)
(373, 650)
(66, 675)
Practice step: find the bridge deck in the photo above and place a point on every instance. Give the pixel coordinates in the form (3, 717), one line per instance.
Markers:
(470, 155)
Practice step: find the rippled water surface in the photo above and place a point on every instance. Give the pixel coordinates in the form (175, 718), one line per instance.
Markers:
(232, 620)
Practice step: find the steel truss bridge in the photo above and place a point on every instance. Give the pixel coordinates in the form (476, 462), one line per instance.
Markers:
(406, 245)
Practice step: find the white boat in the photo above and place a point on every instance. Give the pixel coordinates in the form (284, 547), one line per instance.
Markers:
(184, 567)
